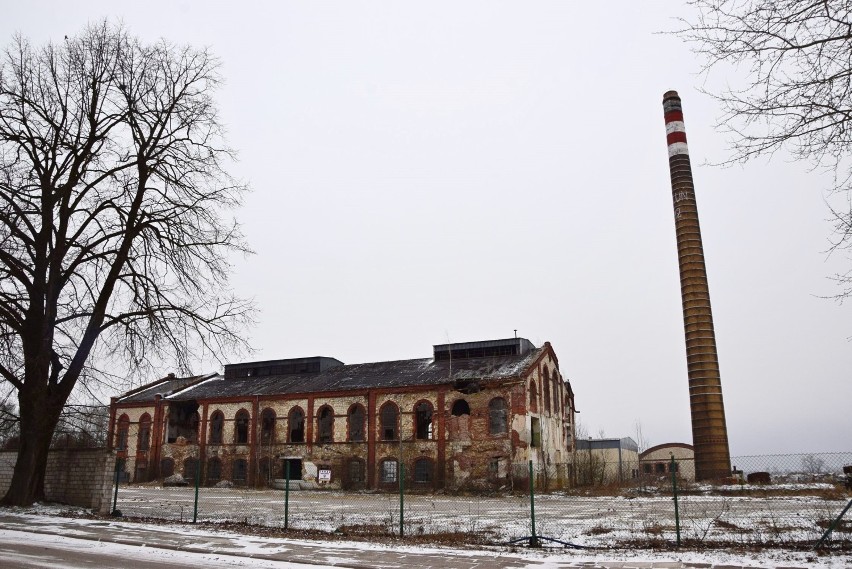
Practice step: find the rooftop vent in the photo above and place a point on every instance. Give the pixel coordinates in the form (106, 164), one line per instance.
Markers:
(295, 366)
(486, 349)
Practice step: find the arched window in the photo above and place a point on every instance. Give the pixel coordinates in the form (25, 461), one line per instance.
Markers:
(423, 420)
(533, 398)
(460, 407)
(194, 421)
(144, 441)
(423, 470)
(296, 425)
(122, 432)
(167, 467)
(325, 424)
(497, 417)
(388, 471)
(241, 427)
(217, 425)
(388, 417)
(214, 470)
(356, 423)
(545, 385)
(267, 427)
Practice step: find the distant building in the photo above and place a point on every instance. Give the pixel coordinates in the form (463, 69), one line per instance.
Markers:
(460, 418)
(657, 461)
(606, 461)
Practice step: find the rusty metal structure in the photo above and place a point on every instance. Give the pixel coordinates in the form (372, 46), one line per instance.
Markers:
(709, 433)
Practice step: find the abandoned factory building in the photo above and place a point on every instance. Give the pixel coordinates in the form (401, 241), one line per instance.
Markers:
(459, 419)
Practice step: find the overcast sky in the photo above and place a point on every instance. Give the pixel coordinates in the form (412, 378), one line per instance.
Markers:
(433, 171)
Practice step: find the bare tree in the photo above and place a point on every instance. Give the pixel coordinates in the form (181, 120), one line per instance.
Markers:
(796, 93)
(113, 240)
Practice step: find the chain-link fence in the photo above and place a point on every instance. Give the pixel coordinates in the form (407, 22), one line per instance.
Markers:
(780, 500)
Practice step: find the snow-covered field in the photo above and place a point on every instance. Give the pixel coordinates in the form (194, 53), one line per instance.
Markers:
(581, 520)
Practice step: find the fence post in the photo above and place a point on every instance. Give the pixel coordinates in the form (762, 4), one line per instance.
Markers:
(197, 482)
(115, 511)
(286, 493)
(401, 498)
(673, 469)
(832, 526)
(533, 537)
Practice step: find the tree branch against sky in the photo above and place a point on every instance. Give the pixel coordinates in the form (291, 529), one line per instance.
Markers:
(113, 238)
(795, 61)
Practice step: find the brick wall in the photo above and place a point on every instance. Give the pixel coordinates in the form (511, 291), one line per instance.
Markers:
(80, 477)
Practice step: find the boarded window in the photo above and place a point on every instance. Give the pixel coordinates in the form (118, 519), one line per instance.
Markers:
(214, 470)
(241, 427)
(325, 425)
(497, 416)
(423, 420)
(267, 427)
(240, 472)
(121, 434)
(423, 470)
(533, 398)
(388, 471)
(296, 425)
(167, 467)
(356, 423)
(535, 439)
(460, 407)
(144, 442)
(217, 425)
(389, 416)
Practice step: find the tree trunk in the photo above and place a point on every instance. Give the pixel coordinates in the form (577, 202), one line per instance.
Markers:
(37, 427)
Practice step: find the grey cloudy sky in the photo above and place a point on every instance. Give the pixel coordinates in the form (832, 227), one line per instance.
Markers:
(457, 170)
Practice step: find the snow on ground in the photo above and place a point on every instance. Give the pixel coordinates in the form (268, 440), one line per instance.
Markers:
(44, 519)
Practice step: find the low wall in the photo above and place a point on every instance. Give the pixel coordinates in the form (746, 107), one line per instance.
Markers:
(78, 477)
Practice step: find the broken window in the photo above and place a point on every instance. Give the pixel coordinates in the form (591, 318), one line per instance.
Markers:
(533, 398)
(267, 427)
(121, 433)
(183, 421)
(144, 442)
(325, 424)
(388, 470)
(217, 425)
(660, 467)
(214, 470)
(497, 417)
(423, 420)
(423, 470)
(241, 427)
(167, 467)
(389, 416)
(240, 471)
(356, 423)
(545, 385)
(296, 425)
(460, 407)
(356, 473)
(535, 439)
(190, 467)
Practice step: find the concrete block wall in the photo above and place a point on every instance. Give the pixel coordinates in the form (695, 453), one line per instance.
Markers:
(78, 477)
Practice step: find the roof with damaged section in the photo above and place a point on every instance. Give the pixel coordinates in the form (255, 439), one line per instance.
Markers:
(166, 387)
(355, 377)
